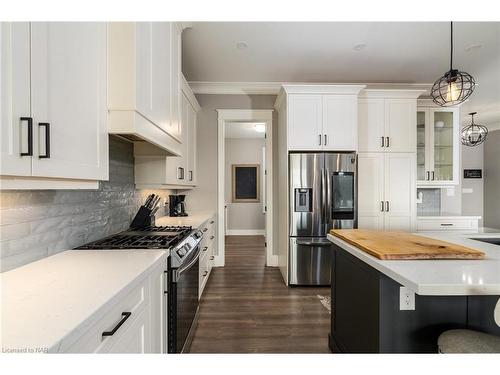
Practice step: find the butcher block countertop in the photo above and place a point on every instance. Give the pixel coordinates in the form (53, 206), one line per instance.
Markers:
(400, 245)
(440, 277)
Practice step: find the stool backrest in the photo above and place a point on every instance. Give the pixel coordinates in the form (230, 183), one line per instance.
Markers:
(496, 313)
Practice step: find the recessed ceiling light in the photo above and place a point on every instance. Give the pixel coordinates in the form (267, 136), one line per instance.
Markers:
(241, 45)
(473, 47)
(359, 47)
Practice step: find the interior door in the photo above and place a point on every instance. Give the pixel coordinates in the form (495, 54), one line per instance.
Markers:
(399, 187)
(305, 127)
(400, 125)
(68, 83)
(340, 122)
(371, 125)
(15, 99)
(370, 191)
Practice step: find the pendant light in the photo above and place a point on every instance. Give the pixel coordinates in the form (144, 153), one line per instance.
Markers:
(454, 86)
(473, 134)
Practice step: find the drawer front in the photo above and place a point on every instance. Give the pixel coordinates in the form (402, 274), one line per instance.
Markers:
(445, 225)
(92, 339)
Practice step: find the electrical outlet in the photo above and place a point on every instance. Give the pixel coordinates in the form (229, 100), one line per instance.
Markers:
(406, 299)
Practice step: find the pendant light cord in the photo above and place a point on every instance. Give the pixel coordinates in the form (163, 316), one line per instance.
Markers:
(451, 44)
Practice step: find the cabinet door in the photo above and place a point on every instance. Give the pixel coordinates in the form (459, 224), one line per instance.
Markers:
(137, 337)
(400, 191)
(68, 88)
(191, 144)
(370, 191)
(153, 64)
(371, 125)
(15, 98)
(305, 122)
(444, 149)
(340, 122)
(424, 148)
(176, 165)
(400, 125)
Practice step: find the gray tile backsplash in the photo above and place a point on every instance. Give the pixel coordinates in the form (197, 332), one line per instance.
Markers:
(431, 202)
(38, 223)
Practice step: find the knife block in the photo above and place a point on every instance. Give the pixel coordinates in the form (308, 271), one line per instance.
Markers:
(143, 218)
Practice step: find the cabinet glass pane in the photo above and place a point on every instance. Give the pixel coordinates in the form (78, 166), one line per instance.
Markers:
(420, 146)
(443, 146)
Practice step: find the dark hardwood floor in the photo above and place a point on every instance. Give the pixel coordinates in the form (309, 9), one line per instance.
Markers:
(247, 308)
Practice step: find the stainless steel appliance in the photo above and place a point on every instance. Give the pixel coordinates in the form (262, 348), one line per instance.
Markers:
(323, 195)
(181, 281)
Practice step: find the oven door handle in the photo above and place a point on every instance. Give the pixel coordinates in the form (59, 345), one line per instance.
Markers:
(185, 268)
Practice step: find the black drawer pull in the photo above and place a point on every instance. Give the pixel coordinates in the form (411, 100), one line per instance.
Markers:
(211, 221)
(205, 229)
(212, 257)
(212, 237)
(446, 225)
(30, 136)
(205, 273)
(47, 140)
(125, 316)
(205, 248)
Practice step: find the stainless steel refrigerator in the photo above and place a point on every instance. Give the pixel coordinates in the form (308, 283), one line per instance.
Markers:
(323, 195)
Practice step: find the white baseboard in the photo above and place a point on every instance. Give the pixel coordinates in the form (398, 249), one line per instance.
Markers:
(245, 232)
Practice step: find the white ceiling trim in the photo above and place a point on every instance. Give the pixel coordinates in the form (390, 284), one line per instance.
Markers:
(273, 88)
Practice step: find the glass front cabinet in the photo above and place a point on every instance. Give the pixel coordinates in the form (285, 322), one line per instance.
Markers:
(438, 146)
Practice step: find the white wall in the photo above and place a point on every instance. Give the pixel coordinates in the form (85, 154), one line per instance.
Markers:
(243, 216)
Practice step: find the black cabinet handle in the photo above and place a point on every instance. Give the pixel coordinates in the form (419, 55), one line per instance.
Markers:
(205, 229)
(382, 206)
(125, 316)
(382, 139)
(428, 175)
(47, 140)
(180, 173)
(446, 225)
(205, 248)
(432, 175)
(387, 206)
(212, 257)
(320, 139)
(190, 175)
(387, 141)
(29, 120)
(211, 221)
(326, 139)
(205, 273)
(212, 237)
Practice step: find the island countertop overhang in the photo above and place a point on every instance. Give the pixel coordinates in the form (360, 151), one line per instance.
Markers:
(440, 277)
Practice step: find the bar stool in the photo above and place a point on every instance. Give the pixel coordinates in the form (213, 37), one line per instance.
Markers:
(469, 341)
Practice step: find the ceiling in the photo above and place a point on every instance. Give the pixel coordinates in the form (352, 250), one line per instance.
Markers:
(387, 52)
(243, 130)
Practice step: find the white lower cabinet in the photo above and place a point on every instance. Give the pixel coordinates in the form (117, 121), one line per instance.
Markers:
(134, 323)
(207, 256)
(446, 224)
(386, 191)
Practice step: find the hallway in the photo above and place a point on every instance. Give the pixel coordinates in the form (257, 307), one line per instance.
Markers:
(246, 308)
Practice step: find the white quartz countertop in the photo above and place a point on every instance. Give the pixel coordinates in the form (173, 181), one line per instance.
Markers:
(194, 220)
(441, 277)
(44, 301)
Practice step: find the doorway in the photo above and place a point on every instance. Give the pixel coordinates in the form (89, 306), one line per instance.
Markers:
(245, 186)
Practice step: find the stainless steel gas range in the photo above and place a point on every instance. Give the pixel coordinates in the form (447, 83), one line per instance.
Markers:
(181, 282)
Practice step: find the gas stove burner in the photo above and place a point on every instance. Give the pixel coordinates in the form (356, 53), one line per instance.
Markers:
(161, 237)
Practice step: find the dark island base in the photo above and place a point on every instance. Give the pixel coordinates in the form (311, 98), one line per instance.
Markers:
(366, 317)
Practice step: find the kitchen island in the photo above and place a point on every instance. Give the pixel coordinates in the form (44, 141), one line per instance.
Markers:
(372, 308)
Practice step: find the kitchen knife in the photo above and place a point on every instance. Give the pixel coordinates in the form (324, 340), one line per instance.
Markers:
(155, 202)
(150, 205)
(154, 211)
(148, 200)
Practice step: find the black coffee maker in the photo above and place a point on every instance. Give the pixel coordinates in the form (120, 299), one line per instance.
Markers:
(177, 205)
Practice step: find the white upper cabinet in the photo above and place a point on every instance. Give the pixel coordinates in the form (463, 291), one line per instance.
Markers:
(305, 127)
(387, 120)
(54, 104)
(68, 91)
(144, 83)
(15, 110)
(322, 117)
(438, 145)
(340, 119)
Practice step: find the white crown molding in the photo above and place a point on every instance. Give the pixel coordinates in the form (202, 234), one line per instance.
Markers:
(273, 88)
(236, 88)
(392, 93)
